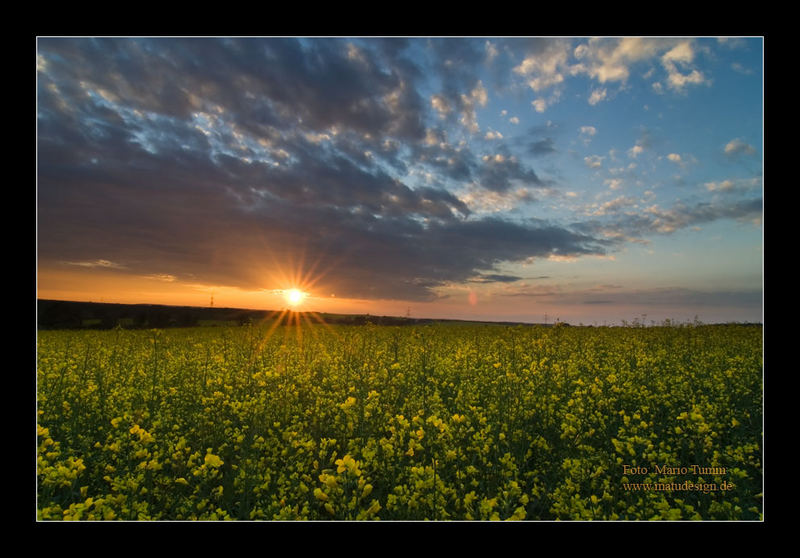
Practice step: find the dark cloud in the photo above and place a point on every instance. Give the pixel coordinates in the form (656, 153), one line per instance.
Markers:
(494, 278)
(539, 140)
(446, 161)
(542, 147)
(495, 170)
(499, 170)
(456, 61)
(261, 84)
(227, 222)
(213, 160)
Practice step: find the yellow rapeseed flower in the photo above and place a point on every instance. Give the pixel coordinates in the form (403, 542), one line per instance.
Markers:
(347, 463)
(320, 495)
(374, 508)
(212, 460)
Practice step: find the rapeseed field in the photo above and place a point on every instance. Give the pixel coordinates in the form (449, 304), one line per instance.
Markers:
(434, 422)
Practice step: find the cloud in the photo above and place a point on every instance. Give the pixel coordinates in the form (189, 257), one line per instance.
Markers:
(644, 142)
(594, 161)
(539, 140)
(455, 62)
(678, 58)
(679, 81)
(597, 96)
(494, 278)
(545, 64)
(586, 134)
(441, 105)
(610, 60)
(167, 278)
(262, 84)
(725, 185)
(630, 226)
(500, 170)
(665, 297)
(478, 96)
(491, 52)
(102, 264)
(612, 206)
(737, 147)
(542, 147)
(482, 201)
(736, 186)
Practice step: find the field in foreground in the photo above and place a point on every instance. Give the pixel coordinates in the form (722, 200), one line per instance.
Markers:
(439, 422)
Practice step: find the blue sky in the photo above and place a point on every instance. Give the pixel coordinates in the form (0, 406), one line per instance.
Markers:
(504, 178)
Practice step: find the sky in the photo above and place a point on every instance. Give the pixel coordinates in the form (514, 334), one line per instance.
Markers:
(586, 180)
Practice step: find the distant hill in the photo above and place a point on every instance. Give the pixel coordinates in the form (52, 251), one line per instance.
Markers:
(61, 314)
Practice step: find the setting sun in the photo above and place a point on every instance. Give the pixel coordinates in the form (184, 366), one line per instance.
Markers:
(294, 296)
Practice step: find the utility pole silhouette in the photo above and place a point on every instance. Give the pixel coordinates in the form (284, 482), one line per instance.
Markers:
(212, 299)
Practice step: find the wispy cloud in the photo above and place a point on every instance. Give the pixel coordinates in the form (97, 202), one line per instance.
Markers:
(593, 161)
(102, 264)
(597, 96)
(658, 220)
(670, 297)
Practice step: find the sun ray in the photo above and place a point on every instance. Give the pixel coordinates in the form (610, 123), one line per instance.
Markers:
(298, 328)
(265, 338)
(325, 324)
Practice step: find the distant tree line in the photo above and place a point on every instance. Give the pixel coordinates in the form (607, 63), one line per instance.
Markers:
(58, 314)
